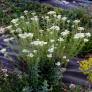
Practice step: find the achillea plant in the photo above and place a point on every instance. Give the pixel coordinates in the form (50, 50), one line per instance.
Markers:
(44, 50)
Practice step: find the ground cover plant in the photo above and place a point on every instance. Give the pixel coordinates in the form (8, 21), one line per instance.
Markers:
(42, 52)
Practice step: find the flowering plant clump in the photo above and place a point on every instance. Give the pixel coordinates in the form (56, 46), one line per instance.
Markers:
(86, 68)
(56, 40)
(43, 50)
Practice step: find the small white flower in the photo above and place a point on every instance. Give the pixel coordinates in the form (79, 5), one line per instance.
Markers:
(64, 57)
(38, 43)
(72, 86)
(58, 64)
(33, 13)
(51, 12)
(68, 21)
(27, 23)
(3, 50)
(19, 30)
(25, 12)
(25, 35)
(41, 31)
(86, 40)
(59, 17)
(47, 17)
(79, 35)
(60, 39)
(88, 34)
(34, 51)
(51, 50)
(16, 25)
(64, 18)
(52, 40)
(25, 51)
(9, 27)
(30, 55)
(30, 35)
(76, 21)
(35, 18)
(14, 20)
(49, 55)
(55, 15)
(57, 28)
(12, 31)
(65, 33)
(67, 60)
(72, 26)
(80, 28)
(22, 17)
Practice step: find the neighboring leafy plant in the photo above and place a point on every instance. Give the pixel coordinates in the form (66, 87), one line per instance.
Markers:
(86, 68)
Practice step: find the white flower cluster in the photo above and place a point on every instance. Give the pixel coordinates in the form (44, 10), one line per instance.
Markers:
(60, 39)
(64, 18)
(76, 21)
(38, 43)
(82, 35)
(80, 28)
(51, 12)
(65, 33)
(79, 35)
(57, 28)
(35, 18)
(14, 21)
(26, 35)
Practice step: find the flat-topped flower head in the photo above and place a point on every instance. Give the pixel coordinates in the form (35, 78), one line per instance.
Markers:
(59, 17)
(25, 35)
(22, 17)
(51, 12)
(52, 40)
(88, 34)
(65, 33)
(31, 55)
(86, 40)
(51, 50)
(80, 28)
(76, 21)
(18, 30)
(15, 20)
(49, 55)
(60, 39)
(64, 18)
(38, 43)
(79, 35)
(25, 12)
(25, 51)
(57, 28)
(35, 18)
(64, 57)
(58, 64)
